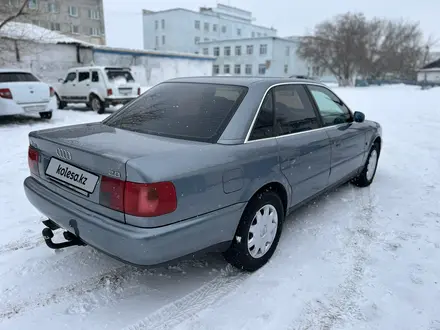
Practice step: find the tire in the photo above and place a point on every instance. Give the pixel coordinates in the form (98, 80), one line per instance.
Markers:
(60, 104)
(96, 104)
(246, 256)
(366, 177)
(46, 115)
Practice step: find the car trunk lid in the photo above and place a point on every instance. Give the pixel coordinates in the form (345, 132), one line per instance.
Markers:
(29, 92)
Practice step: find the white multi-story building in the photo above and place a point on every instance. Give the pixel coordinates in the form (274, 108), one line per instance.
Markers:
(182, 30)
(263, 56)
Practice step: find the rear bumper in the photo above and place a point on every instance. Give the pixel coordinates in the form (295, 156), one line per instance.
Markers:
(140, 246)
(119, 100)
(10, 107)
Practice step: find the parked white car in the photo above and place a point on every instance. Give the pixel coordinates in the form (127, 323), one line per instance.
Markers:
(98, 87)
(21, 93)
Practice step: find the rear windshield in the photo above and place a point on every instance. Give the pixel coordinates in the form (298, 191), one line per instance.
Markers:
(16, 77)
(190, 111)
(122, 75)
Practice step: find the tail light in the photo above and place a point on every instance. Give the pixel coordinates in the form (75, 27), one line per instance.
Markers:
(33, 160)
(138, 199)
(5, 93)
(52, 92)
(139, 91)
(109, 92)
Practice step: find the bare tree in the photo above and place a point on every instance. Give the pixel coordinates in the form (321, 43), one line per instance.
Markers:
(336, 45)
(9, 13)
(350, 45)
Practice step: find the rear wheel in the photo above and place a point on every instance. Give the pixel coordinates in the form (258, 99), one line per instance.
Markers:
(46, 115)
(258, 232)
(96, 104)
(366, 177)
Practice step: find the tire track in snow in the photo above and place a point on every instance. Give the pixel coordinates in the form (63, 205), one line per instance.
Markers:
(112, 280)
(26, 243)
(180, 310)
(340, 305)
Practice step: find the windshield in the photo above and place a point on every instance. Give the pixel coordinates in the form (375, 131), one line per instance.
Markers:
(192, 111)
(120, 75)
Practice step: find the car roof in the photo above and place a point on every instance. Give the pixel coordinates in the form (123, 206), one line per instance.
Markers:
(3, 70)
(242, 81)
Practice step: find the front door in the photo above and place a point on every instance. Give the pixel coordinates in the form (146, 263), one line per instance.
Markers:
(304, 147)
(83, 86)
(67, 89)
(348, 138)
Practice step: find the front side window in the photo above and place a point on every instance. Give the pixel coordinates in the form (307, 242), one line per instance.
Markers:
(263, 127)
(190, 111)
(294, 112)
(95, 76)
(83, 76)
(333, 111)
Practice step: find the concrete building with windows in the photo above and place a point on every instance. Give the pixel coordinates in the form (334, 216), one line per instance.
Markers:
(80, 19)
(263, 56)
(182, 30)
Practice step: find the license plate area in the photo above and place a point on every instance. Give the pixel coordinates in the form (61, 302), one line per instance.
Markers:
(71, 176)
(35, 108)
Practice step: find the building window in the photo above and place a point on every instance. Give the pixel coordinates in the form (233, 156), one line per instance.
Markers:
(258, 34)
(249, 49)
(216, 51)
(265, 34)
(156, 24)
(94, 32)
(33, 4)
(239, 32)
(215, 69)
(206, 39)
(286, 68)
(263, 49)
(94, 14)
(196, 40)
(248, 69)
(73, 11)
(53, 8)
(227, 51)
(226, 68)
(206, 27)
(163, 40)
(205, 51)
(224, 28)
(238, 50)
(262, 69)
(197, 25)
(253, 34)
(157, 41)
(163, 24)
(55, 26)
(214, 27)
(287, 51)
(237, 69)
(74, 29)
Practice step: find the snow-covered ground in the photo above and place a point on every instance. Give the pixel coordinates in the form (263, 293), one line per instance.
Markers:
(353, 259)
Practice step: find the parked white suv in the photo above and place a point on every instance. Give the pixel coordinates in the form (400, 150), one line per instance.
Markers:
(21, 93)
(98, 87)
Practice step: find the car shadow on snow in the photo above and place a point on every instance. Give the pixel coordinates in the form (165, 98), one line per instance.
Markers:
(21, 120)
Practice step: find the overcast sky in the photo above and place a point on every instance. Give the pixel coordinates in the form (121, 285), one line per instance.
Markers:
(289, 17)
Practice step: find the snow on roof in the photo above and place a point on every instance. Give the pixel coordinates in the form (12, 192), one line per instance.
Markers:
(30, 32)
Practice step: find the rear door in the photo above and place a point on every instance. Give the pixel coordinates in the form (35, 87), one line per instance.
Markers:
(348, 138)
(25, 87)
(304, 148)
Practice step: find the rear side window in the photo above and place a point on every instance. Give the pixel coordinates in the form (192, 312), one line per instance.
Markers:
(190, 111)
(263, 127)
(294, 112)
(16, 77)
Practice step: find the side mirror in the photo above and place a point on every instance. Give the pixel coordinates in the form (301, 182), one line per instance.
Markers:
(358, 117)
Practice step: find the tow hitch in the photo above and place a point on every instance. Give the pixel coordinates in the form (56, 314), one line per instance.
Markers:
(71, 239)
